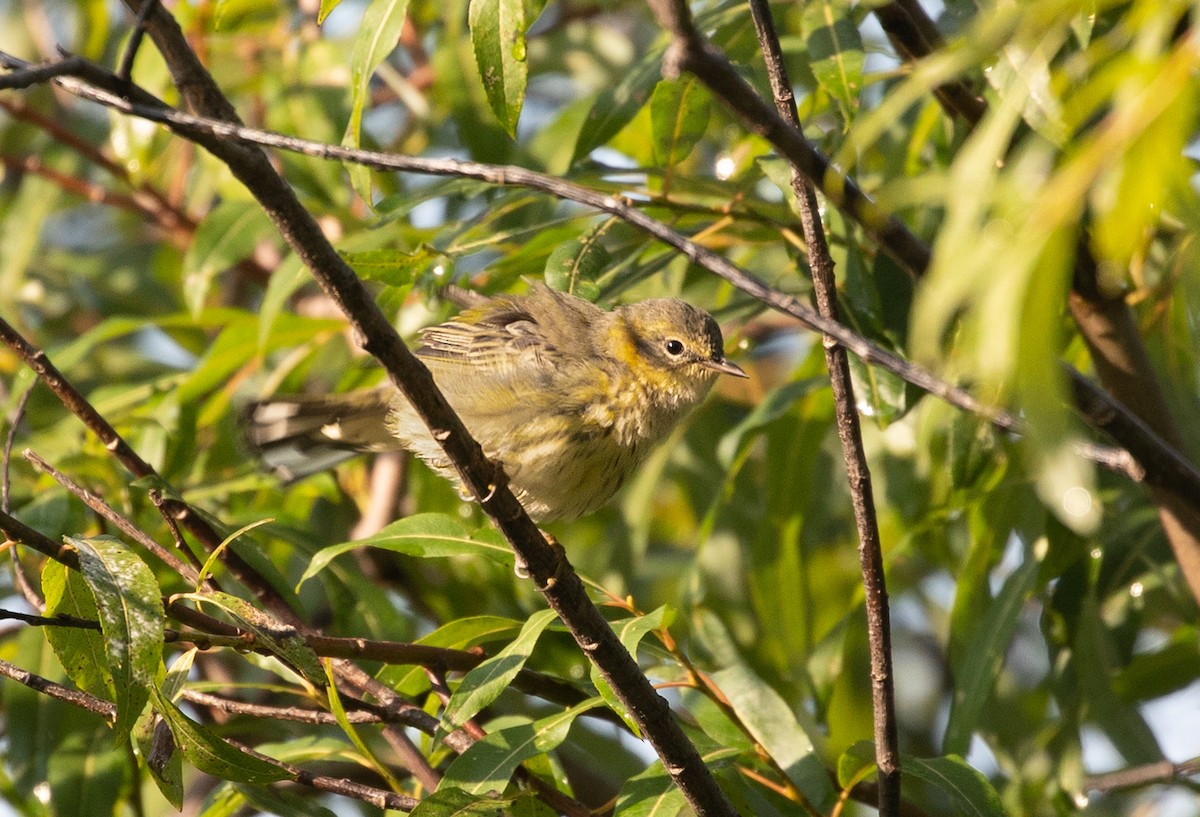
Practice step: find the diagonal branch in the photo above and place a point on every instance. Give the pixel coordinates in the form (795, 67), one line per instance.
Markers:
(549, 569)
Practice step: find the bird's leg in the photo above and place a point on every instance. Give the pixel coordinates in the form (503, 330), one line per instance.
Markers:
(560, 558)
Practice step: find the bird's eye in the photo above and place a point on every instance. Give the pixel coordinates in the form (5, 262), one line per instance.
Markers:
(674, 347)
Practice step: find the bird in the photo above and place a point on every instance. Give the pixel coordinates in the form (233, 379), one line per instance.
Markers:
(567, 397)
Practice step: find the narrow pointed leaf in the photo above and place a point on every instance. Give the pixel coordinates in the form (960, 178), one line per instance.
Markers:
(426, 535)
(81, 652)
(483, 685)
(281, 639)
(381, 26)
(679, 111)
(498, 37)
(210, 754)
(131, 619)
(488, 765)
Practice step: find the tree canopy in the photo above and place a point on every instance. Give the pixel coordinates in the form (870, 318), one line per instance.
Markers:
(953, 245)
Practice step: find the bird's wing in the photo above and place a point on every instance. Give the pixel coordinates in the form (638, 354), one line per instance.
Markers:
(530, 338)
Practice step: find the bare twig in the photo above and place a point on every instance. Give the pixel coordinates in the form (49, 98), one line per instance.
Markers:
(125, 69)
(337, 785)
(189, 573)
(1150, 774)
(17, 531)
(914, 36)
(78, 405)
(870, 550)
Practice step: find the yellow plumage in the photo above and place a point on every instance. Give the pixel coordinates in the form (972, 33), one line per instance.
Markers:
(567, 397)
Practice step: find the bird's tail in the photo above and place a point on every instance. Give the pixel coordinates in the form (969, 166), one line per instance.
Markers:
(300, 435)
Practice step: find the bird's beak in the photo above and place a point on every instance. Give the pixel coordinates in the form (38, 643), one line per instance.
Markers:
(724, 367)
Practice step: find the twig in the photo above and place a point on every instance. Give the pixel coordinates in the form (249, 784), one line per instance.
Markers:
(189, 573)
(14, 422)
(40, 74)
(91, 703)
(914, 36)
(18, 531)
(125, 69)
(1151, 773)
(78, 405)
(59, 620)
(870, 549)
(347, 788)
(19, 578)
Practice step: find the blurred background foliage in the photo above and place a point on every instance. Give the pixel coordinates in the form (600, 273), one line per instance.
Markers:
(1044, 640)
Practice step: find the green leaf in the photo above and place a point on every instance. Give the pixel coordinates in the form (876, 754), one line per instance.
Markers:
(281, 639)
(159, 753)
(483, 685)
(489, 764)
(614, 108)
(498, 36)
(389, 266)
(969, 792)
(229, 234)
(155, 740)
(285, 280)
(768, 718)
(210, 754)
(339, 712)
(679, 111)
(574, 266)
(86, 773)
(131, 619)
(769, 409)
(326, 7)
(81, 652)
(381, 26)
(426, 535)
(835, 51)
(976, 676)
(449, 801)
(652, 792)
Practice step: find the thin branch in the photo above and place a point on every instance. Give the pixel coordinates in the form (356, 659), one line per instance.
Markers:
(37, 683)
(347, 788)
(77, 404)
(1150, 774)
(40, 74)
(442, 659)
(60, 620)
(870, 549)
(125, 69)
(14, 422)
(17, 531)
(126, 526)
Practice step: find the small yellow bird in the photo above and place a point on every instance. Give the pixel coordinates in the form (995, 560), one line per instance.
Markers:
(567, 397)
